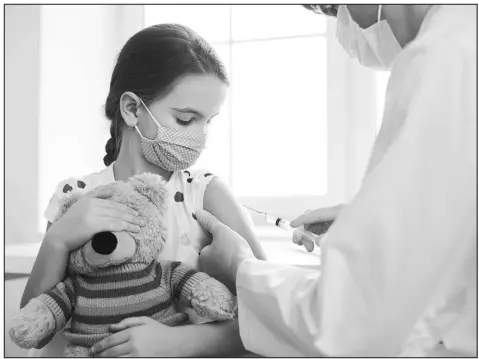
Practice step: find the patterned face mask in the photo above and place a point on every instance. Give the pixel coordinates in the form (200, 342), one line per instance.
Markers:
(172, 149)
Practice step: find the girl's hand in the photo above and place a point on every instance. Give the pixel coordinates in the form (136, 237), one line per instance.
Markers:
(140, 337)
(92, 214)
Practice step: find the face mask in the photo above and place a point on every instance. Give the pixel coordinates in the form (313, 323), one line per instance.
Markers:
(172, 149)
(375, 47)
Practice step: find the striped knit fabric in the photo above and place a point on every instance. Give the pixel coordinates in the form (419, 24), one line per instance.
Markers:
(129, 290)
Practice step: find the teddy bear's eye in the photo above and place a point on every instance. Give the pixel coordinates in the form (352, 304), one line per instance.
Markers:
(104, 243)
(67, 188)
(81, 184)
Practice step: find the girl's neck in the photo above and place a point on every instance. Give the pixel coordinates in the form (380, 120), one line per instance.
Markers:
(131, 163)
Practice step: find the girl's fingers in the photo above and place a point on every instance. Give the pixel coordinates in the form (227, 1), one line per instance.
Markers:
(111, 341)
(117, 225)
(104, 191)
(126, 217)
(108, 204)
(130, 322)
(120, 350)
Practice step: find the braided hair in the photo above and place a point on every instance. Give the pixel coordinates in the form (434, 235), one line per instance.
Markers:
(149, 65)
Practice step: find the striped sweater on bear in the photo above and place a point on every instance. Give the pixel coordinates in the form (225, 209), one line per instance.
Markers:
(128, 290)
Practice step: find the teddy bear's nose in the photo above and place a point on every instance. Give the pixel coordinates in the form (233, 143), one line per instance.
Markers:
(104, 242)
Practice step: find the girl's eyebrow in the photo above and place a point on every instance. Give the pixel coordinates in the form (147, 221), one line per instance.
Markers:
(193, 111)
(189, 110)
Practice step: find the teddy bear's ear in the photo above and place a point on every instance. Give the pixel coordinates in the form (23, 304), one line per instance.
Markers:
(152, 187)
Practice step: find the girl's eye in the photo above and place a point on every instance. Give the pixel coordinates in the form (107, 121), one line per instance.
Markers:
(182, 123)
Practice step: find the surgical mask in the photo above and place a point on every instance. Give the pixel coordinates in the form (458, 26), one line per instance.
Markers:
(375, 47)
(172, 149)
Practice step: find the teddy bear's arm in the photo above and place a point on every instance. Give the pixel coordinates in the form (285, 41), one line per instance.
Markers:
(207, 296)
(43, 315)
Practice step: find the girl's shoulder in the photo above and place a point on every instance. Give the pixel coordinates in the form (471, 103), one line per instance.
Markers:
(86, 183)
(190, 185)
(200, 175)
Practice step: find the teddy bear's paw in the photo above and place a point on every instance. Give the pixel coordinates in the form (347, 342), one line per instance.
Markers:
(33, 324)
(211, 299)
(76, 351)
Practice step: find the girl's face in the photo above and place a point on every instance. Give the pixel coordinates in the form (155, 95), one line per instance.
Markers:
(190, 106)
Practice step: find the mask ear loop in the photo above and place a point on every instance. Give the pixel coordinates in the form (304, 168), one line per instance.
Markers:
(152, 117)
(380, 7)
(117, 139)
(149, 113)
(132, 126)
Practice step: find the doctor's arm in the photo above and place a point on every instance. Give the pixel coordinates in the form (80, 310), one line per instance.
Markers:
(410, 225)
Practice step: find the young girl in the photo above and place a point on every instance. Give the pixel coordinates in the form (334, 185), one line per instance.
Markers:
(167, 85)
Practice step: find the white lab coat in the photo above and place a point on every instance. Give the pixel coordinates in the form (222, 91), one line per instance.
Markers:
(398, 271)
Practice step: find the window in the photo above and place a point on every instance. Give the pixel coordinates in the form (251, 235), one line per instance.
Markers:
(285, 141)
(280, 141)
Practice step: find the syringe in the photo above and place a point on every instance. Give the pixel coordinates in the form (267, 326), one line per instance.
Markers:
(300, 235)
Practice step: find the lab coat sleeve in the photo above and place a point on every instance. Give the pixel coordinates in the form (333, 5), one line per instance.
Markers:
(412, 221)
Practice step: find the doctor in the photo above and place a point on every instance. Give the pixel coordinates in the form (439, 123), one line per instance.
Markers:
(398, 272)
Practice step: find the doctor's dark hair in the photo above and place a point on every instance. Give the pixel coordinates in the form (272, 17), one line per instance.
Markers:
(149, 65)
(329, 10)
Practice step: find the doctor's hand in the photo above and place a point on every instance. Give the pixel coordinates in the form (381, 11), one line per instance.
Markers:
(223, 256)
(317, 221)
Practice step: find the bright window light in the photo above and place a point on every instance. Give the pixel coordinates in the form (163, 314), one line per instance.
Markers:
(264, 124)
(251, 22)
(212, 22)
(279, 117)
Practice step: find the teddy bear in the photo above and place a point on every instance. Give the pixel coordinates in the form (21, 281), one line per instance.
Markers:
(116, 275)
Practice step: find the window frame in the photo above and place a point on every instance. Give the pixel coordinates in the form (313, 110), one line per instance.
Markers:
(351, 129)
(292, 206)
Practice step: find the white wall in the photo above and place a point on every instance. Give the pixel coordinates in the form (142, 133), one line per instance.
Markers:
(22, 71)
(78, 52)
(58, 65)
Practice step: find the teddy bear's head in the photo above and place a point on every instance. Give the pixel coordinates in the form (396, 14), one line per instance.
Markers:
(145, 193)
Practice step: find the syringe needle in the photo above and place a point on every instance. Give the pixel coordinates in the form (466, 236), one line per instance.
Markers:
(252, 209)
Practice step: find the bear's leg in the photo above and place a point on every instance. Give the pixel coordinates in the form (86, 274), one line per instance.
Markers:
(34, 323)
(76, 351)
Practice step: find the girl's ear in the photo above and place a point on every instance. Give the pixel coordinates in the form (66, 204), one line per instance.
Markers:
(129, 105)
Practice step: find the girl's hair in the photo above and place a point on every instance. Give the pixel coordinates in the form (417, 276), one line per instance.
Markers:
(150, 64)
